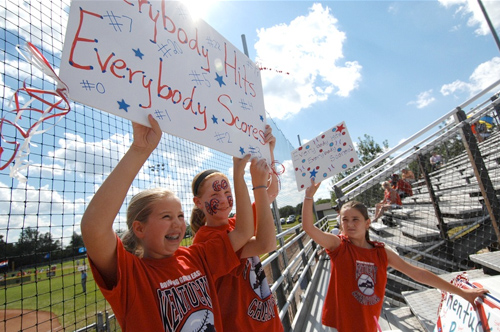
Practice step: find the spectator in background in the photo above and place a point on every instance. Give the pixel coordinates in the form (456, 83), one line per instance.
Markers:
(84, 281)
(436, 161)
(407, 175)
(391, 201)
(402, 187)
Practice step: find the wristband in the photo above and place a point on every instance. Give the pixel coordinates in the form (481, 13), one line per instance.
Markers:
(306, 197)
(258, 187)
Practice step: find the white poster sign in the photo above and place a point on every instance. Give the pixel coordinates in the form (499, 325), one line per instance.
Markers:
(328, 154)
(133, 58)
(457, 314)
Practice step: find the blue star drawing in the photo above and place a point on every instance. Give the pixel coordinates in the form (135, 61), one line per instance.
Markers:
(138, 53)
(219, 79)
(313, 173)
(261, 118)
(214, 119)
(123, 105)
(242, 151)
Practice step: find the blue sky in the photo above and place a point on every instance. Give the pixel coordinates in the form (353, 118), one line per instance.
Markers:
(386, 68)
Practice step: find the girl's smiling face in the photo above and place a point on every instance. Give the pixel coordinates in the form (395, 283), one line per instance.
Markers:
(216, 198)
(354, 224)
(164, 229)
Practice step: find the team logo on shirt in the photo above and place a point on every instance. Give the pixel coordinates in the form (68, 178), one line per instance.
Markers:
(259, 309)
(366, 277)
(186, 305)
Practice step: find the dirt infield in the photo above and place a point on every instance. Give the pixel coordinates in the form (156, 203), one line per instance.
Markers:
(28, 320)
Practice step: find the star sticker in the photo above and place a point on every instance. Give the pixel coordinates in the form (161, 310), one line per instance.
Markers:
(261, 118)
(340, 128)
(313, 173)
(138, 53)
(123, 105)
(242, 151)
(214, 119)
(219, 79)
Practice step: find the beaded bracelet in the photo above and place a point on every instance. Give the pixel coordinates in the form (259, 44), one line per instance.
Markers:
(306, 197)
(258, 187)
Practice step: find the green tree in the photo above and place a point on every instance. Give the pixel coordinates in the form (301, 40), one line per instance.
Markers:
(33, 247)
(286, 211)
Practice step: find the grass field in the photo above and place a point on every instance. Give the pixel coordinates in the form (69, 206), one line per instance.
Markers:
(61, 295)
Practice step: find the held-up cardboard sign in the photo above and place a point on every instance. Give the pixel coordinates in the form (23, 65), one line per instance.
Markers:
(134, 58)
(328, 154)
(457, 314)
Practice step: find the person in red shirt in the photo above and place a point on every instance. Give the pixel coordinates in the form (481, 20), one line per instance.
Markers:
(151, 283)
(359, 269)
(401, 186)
(391, 201)
(256, 308)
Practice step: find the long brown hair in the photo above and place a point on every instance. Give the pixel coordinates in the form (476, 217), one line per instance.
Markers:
(197, 218)
(361, 208)
(139, 209)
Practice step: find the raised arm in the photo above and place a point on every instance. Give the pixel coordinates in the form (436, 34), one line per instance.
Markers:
(426, 277)
(265, 236)
(324, 239)
(273, 189)
(244, 227)
(97, 221)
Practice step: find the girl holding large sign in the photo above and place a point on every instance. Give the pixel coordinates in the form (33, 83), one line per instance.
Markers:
(245, 298)
(359, 269)
(151, 283)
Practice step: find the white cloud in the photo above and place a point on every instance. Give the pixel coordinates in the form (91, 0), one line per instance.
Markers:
(476, 18)
(35, 21)
(308, 51)
(41, 208)
(424, 99)
(483, 76)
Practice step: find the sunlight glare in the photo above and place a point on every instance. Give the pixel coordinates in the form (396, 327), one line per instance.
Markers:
(199, 8)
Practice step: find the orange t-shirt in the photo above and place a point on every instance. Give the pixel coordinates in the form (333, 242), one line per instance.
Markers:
(357, 286)
(177, 293)
(245, 298)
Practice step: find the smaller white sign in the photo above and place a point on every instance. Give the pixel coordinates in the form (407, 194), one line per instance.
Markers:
(328, 154)
(457, 314)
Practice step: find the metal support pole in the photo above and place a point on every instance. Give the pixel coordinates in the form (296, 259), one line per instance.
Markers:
(443, 228)
(280, 293)
(496, 106)
(245, 48)
(303, 255)
(492, 28)
(486, 187)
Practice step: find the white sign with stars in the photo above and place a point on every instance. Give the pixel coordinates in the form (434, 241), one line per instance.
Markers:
(328, 154)
(134, 58)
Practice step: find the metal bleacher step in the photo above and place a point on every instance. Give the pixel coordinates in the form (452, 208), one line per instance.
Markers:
(420, 233)
(490, 260)
(399, 319)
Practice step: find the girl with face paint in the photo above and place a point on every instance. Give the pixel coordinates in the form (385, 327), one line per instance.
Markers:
(255, 308)
(138, 273)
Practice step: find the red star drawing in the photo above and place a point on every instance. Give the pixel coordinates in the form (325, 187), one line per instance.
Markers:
(341, 127)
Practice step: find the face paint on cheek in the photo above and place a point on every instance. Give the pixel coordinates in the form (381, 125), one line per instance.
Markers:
(212, 207)
(230, 200)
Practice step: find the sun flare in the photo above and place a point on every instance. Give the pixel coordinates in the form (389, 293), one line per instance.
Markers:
(199, 8)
